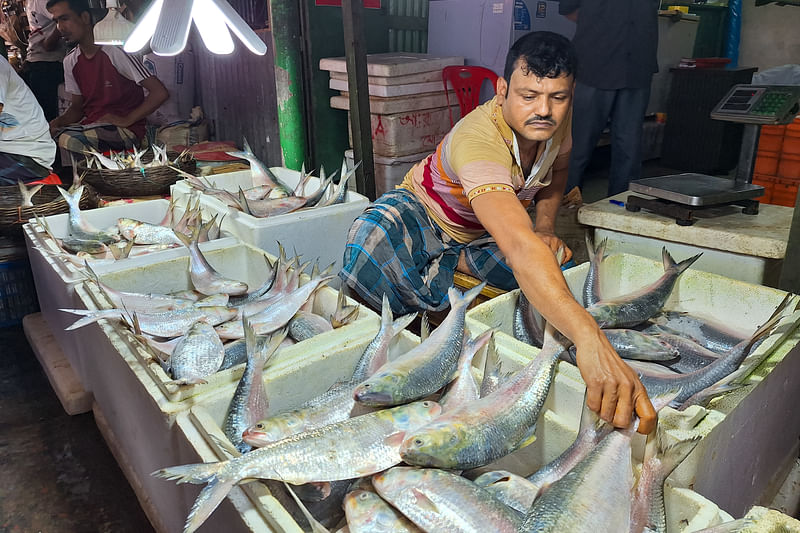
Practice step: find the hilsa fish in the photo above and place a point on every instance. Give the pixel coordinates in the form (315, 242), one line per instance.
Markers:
(205, 278)
(349, 449)
(637, 307)
(425, 368)
(250, 400)
(480, 432)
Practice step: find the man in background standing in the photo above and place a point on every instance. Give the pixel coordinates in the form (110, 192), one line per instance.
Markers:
(43, 70)
(616, 43)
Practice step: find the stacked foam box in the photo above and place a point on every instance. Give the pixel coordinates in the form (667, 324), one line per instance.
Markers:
(745, 451)
(777, 166)
(408, 106)
(292, 384)
(136, 398)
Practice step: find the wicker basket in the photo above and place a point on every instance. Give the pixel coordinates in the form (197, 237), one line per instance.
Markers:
(48, 201)
(131, 182)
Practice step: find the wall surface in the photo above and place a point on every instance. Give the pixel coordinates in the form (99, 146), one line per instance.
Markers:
(770, 35)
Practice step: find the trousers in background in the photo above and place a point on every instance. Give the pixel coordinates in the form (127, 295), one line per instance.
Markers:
(592, 109)
(43, 78)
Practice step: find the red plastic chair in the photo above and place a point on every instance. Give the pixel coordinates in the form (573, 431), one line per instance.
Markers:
(467, 81)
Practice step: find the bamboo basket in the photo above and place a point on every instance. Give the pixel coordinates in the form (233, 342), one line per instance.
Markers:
(48, 201)
(132, 182)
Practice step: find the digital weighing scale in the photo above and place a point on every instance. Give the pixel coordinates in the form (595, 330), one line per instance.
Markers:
(683, 196)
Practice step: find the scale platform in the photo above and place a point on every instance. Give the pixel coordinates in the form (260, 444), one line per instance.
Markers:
(696, 190)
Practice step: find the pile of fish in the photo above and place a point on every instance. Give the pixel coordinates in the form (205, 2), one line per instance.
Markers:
(269, 196)
(196, 333)
(394, 446)
(134, 160)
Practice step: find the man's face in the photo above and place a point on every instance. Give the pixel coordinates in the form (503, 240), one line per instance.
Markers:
(534, 107)
(72, 26)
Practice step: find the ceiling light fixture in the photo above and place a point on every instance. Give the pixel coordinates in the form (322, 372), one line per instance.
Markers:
(113, 29)
(165, 25)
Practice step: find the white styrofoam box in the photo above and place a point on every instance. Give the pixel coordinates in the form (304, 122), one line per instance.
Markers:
(55, 278)
(401, 134)
(747, 268)
(391, 64)
(390, 171)
(745, 428)
(421, 77)
(319, 232)
(240, 262)
(400, 104)
(291, 384)
(386, 91)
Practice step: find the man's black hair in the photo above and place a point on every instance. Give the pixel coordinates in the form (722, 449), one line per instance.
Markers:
(78, 6)
(544, 53)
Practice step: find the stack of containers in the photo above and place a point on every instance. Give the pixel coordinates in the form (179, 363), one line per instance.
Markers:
(408, 106)
(778, 163)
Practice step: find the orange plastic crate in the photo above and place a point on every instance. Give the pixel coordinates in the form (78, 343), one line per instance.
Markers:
(789, 166)
(784, 192)
(767, 163)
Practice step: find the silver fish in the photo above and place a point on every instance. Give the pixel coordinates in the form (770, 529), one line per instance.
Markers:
(692, 356)
(172, 323)
(235, 354)
(133, 301)
(369, 513)
(144, 233)
(591, 286)
(632, 344)
(306, 325)
(270, 207)
(261, 174)
(436, 500)
(278, 314)
(492, 371)
(528, 324)
(197, 355)
(487, 429)
(272, 277)
(344, 314)
(512, 490)
(648, 513)
(464, 389)
(694, 382)
(250, 401)
(349, 449)
(77, 226)
(704, 331)
(425, 368)
(337, 403)
(637, 307)
(204, 278)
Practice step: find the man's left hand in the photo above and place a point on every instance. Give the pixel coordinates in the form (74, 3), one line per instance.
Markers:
(554, 243)
(116, 120)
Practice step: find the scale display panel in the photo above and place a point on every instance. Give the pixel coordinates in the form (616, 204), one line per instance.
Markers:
(759, 104)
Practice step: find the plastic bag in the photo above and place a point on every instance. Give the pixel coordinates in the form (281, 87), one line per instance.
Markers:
(782, 75)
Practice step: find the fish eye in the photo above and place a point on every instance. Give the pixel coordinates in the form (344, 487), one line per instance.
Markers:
(453, 438)
(418, 442)
(426, 404)
(363, 496)
(259, 426)
(367, 385)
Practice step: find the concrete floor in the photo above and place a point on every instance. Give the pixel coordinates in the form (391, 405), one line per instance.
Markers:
(58, 476)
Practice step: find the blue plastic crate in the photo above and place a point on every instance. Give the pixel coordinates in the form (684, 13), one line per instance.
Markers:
(17, 292)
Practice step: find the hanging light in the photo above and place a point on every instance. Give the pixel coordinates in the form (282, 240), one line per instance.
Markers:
(165, 25)
(113, 29)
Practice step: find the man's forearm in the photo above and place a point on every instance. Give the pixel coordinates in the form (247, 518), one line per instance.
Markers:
(548, 200)
(70, 116)
(149, 106)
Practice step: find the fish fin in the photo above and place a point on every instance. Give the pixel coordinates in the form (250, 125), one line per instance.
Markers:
(186, 240)
(491, 366)
(205, 504)
(267, 352)
(249, 338)
(673, 455)
(669, 262)
(601, 250)
(589, 418)
(225, 445)
(425, 327)
(386, 311)
(402, 323)
(719, 388)
(424, 502)
(316, 527)
(126, 251)
(90, 316)
(664, 399)
(246, 146)
(529, 438)
(587, 238)
(244, 203)
(395, 439)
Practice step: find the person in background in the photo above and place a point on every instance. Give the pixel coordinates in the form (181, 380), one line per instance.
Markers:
(465, 208)
(616, 43)
(26, 149)
(43, 69)
(106, 85)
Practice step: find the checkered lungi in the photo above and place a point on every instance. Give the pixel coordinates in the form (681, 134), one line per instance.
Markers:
(15, 168)
(394, 248)
(78, 139)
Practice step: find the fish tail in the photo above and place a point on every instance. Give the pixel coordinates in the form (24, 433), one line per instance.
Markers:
(402, 323)
(600, 251)
(669, 262)
(187, 241)
(265, 352)
(673, 455)
(386, 312)
(243, 202)
(457, 298)
(195, 474)
(205, 504)
(492, 367)
(589, 245)
(72, 197)
(90, 317)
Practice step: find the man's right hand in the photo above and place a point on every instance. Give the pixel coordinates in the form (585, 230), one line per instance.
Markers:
(613, 389)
